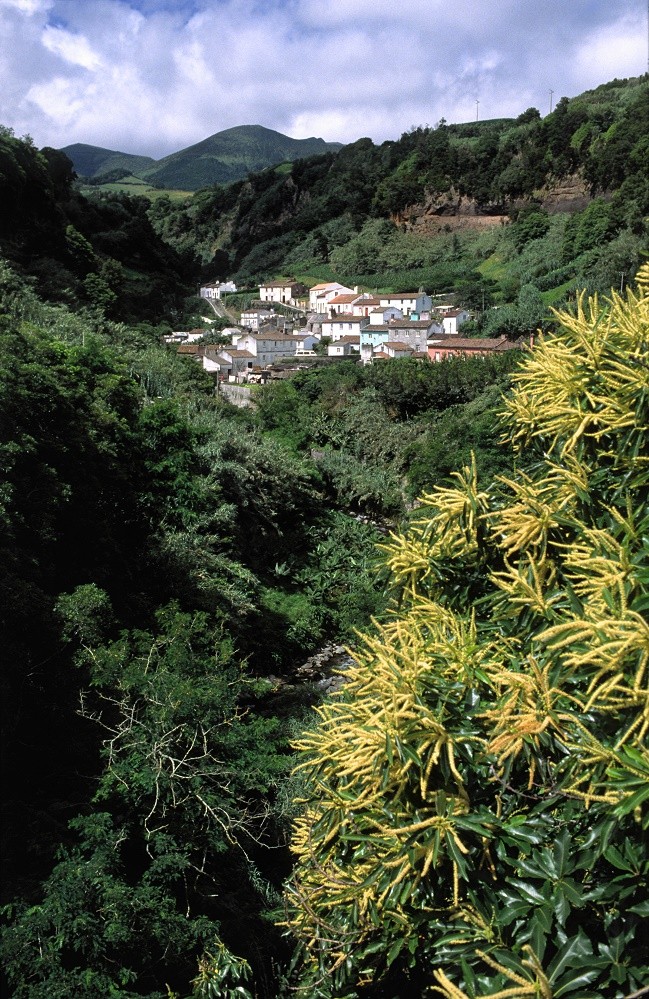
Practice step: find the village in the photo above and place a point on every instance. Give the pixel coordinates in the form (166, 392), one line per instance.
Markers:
(291, 324)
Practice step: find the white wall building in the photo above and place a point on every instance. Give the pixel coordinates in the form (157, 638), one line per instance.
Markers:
(282, 292)
(268, 346)
(216, 291)
(254, 318)
(384, 315)
(321, 294)
(453, 320)
(344, 347)
(340, 326)
(413, 301)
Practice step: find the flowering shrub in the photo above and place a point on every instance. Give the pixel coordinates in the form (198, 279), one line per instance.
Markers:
(479, 791)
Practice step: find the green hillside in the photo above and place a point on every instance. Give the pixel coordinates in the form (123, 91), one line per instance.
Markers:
(220, 159)
(231, 155)
(93, 161)
(100, 253)
(490, 210)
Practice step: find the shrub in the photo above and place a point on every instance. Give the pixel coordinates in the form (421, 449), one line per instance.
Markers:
(477, 796)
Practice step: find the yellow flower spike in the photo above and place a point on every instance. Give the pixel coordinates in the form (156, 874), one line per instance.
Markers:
(513, 977)
(446, 987)
(456, 885)
(528, 583)
(533, 962)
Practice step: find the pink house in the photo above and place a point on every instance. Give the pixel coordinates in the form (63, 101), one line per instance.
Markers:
(455, 346)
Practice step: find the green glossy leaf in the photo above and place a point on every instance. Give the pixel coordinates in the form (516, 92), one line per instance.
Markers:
(528, 891)
(456, 854)
(574, 953)
(561, 906)
(538, 934)
(573, 979)
(614, 857)
(394, 951)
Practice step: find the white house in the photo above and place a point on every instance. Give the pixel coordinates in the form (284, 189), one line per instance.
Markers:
(268, 346)
(342, 303)
(343, 325)
(215, 363)
(217, 290)
(344, 347)
(382, 316)
(321, 294)
(413, 301)
(283, 292)
(351, 303)
(254, 318)
(453, 319)
(226, 363)
(364, 305)
(238, 363)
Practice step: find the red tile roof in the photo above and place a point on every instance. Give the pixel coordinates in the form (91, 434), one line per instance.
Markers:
(345, 318)
(343, 299)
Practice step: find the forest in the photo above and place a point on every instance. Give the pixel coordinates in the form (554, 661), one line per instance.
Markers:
(187, 811)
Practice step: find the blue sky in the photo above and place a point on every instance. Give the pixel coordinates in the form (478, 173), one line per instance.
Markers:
(154, 76)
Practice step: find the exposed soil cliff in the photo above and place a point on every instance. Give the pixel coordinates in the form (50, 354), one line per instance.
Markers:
(451, 212)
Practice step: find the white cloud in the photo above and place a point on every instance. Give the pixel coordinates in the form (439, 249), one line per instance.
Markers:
(615, 50)
(162, 75)
(59, 99)
(30, 6)
(74, 49)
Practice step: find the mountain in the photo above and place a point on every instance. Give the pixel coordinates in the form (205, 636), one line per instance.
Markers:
(94, 161)
(231, 155)
(221, 158)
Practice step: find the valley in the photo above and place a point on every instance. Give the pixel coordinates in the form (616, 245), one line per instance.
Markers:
(440, 488)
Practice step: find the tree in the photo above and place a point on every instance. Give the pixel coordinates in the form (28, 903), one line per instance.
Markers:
(476, 798)
(166, 851)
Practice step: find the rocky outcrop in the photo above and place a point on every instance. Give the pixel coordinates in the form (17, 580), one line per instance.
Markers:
(449, 212)
(452, 212)
(567, 195)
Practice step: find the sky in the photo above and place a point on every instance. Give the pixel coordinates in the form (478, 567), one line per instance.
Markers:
(154, 76)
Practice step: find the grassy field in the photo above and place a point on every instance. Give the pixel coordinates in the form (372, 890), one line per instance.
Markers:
(136, 186)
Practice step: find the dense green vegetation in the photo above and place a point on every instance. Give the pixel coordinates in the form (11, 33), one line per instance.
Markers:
(381, 434)
(164, 569)
(168, 563)
(476, 800)
(101, 254)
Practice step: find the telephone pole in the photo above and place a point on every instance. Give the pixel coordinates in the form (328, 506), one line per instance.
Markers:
(551, 96)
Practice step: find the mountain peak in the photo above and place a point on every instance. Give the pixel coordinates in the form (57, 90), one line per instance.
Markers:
(219, 159)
